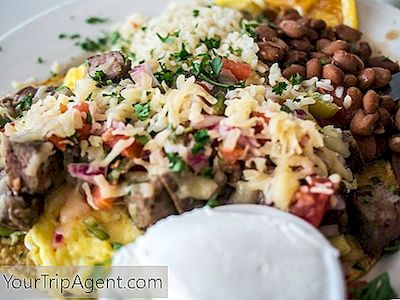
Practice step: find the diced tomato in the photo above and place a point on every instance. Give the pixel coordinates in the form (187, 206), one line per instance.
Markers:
(310, 207)
(133, 151)
(231, 156)
(101, 203)
(84, 132)
(242, 71)
(259, 127)
(58, 142)
(63, 108)
(82, 107)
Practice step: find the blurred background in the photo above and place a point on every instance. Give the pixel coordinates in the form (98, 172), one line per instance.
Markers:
(15, 12)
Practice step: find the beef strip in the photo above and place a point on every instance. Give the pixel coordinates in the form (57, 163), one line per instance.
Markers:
(18, 211)
(149, 203)
(32, 167)
(113, 64)
(374, 217)
(12, 103)
(355, 161)
(182, 204)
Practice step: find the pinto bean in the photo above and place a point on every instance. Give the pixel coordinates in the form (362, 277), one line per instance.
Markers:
(368, 147)
(295, 57)
(394, 143)
(301, 45)
(356, 98)
(293, 70)
(366, 78)
(387, 102)
(347, 61)
(370, 102)
(364, 51)
(347, 33)
(385, 118)
(292, 29)
(384, 62)
(350, 80)
(321, 43)
(265, 33)
(327, 33)
(270, 52)
(333, 73)
(333, 47)
(317, 24)
(287, 14)
(363, 124)
(313, 68)
(311, 34)
(382, 77)
(304, 21)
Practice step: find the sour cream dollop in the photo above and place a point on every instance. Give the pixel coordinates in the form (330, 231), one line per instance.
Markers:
(239, 252)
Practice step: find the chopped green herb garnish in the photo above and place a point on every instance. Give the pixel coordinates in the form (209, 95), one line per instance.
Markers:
(143, 139)
(216, 66)
(62, 36)
(176, 162)
(132, 56)
(168, 76)
(207, 172)
(378, 289)
(296, 79)
(201, 138)
(116, 245)
(89, 97)
(196, 13)
(182, 55)
(285, 108)
(89, 118)
(4, 121)
(212, 43)
(213, 202)
(100, 77)
(74, 36)
(249, 28)
(39, 60)
(167, 39)
(25, 102)
(280, 88)
(114, 37)
(96, 20)
(96, 229)
(142, 111)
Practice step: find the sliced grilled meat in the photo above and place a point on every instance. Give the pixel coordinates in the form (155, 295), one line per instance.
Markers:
(374, 217)
(113, 65)
(19, 212)
(20, 101)
(32, 167)
(150, 203)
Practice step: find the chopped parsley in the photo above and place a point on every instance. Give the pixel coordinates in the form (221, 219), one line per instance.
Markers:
(142, 111)
(114, 37)
(96, 20)
(132, 56)
(196, 13)
(279, 88)
(176, 162)
(296, 79)
(216, 66)
(62, 36)
(168, 76)
(378, 289)
(74, 36)
(89, 118)
(201, 138)
(212, 43)
(100, 77)
(114, 94)
(3, 122)
(90, 45)
(143, 139)
(249, 28)
(207, 172)
(213, 201)
(286, 108)
(168, 39)
(116, 245)
(182, 55)
(25, 102)
(40, 60)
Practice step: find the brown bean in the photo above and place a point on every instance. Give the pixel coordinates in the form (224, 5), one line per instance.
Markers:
(292, 29)
(304, 21)
(323, 58)
(397, 120)
(293, 70)
(287, 14)
(366, 78)
(385, 118)
(270, 14)
(347, 61)
(317, 24)
(301, 45)
(394, 143)
(335, 46)
(270, 52)
(281, 44)
(350, 80)
(370, 102)
(320, 44)
(356, 98)
(382, 77)
(387, 102)
(382, 145)
(313, 68)
(364, 51)
(347, 33)
(265, 33)
(368, 147)
(383, 62)
(295, 57)
(363, 124)
(333, 73)
(327, 33)
(311, 34)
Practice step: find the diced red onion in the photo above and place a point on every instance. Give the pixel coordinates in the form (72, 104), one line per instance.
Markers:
(86, 172)
(299, 113)
(136, 74)
(58, 239)
(197, 161)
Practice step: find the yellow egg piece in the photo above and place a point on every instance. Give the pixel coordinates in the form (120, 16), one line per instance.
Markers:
(73, 75)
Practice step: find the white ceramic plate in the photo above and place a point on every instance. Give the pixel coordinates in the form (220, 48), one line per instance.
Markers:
(39, 38)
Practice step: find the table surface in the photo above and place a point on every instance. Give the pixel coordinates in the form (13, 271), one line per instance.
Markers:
(15, 12)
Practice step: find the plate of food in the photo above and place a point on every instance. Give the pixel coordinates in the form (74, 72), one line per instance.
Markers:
(248, 146)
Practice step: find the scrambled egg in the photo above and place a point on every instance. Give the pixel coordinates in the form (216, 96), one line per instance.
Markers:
(73, 75)
(79, 246)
